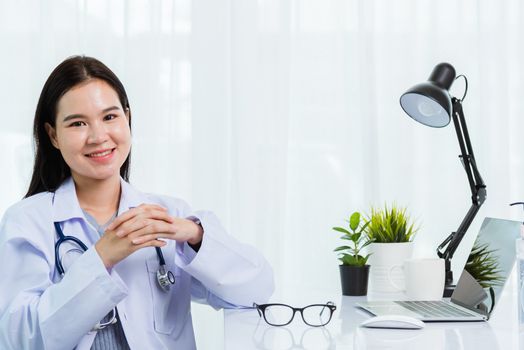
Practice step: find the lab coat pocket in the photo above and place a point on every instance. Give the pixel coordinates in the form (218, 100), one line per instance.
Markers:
(168, 307)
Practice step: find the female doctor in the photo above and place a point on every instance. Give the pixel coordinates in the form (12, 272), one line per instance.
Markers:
(89, 262)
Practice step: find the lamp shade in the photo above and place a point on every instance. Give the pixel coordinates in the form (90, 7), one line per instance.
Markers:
(429, 103)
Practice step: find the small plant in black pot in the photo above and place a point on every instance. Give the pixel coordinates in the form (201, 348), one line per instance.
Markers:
(354, 270)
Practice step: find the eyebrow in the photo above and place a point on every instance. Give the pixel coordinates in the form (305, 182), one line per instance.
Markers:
(75, 116)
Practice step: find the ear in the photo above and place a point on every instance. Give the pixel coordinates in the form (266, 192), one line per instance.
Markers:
(127, 112)
(51, 132)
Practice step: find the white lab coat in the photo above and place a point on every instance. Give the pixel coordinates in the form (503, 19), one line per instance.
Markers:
(40, 310)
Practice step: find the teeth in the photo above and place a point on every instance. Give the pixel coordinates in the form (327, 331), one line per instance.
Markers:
(101, 154)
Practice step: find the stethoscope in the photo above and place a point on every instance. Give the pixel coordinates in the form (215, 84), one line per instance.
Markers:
(165, 278)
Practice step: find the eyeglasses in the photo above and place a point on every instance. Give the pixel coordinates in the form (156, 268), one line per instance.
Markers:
(315, 315)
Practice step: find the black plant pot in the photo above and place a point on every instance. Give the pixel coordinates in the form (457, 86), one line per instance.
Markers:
(354, 279)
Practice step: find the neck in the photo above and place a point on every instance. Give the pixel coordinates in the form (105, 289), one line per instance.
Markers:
(100, 198)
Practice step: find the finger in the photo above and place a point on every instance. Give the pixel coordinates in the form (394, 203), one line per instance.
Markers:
(159, 227)
(133, 212)
(153, 206)
(123, 218)
(152, 243)
(132, 222)
(153, 236)
(143, 220)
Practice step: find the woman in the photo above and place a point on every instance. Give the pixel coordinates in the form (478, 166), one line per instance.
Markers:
(119, 293)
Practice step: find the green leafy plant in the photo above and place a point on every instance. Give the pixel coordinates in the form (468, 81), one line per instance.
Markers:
(483, 265)
(350, 254)
(390, 225)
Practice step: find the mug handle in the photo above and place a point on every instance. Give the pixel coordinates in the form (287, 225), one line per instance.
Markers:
(396, 286)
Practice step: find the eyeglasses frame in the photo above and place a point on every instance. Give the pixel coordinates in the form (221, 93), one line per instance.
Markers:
(261, 309)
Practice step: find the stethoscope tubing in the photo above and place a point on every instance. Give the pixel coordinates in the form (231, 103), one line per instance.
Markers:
(161, 260)
(59, 242)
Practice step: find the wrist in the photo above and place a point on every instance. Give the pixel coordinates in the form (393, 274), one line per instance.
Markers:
(105, 260)
(197, 238)
(198, 232)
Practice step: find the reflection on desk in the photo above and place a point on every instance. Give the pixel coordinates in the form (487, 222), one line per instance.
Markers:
(244, 329)
(283, 338)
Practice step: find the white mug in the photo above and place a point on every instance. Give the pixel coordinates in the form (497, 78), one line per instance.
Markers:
(424, 278)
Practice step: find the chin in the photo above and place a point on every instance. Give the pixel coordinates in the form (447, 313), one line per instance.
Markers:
(99, 176)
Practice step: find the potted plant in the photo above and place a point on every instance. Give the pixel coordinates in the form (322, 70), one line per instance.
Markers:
(392, 232)
(354, 270)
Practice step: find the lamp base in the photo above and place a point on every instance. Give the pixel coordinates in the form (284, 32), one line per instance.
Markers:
(448, 290)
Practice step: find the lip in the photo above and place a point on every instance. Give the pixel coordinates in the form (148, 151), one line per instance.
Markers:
(102, 155)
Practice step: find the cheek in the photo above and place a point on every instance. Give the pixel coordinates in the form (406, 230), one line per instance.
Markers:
(70, 142)
(123, 135)
(126, 135)
(71, 149)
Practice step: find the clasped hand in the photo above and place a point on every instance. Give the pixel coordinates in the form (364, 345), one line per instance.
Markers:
(142, 227)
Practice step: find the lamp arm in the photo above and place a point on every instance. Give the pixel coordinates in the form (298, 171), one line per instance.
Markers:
(465, 145)
(477, 187)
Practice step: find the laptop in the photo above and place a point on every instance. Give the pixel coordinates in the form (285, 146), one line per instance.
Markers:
(470, 301)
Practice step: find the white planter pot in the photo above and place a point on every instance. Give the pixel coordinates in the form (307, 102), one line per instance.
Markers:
(383, 257)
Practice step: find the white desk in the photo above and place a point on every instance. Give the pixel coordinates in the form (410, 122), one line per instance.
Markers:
(245, 330)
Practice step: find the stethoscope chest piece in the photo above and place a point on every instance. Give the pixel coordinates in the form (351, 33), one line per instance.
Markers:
(165, 278)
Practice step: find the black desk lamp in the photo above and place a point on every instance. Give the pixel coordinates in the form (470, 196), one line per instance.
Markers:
(430, 103)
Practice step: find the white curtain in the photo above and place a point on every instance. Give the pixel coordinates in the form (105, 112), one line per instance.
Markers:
(282, 116)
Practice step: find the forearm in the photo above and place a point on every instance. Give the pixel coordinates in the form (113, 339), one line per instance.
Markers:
(233, 271)
(60, 315)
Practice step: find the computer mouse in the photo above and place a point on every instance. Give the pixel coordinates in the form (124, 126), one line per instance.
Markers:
(393, 321)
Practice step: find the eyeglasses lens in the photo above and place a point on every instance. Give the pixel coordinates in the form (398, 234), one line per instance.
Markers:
(278, 315)
(317, 315)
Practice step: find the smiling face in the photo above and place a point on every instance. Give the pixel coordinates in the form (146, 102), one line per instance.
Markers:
(91, 131)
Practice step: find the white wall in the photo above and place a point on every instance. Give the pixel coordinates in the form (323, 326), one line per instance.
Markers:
(283, 116)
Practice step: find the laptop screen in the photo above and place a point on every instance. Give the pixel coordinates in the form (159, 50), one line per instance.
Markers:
(488, 266)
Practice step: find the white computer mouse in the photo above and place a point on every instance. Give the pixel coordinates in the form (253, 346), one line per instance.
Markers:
(393, 321)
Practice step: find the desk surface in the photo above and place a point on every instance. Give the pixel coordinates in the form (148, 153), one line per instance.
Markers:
(245, 330)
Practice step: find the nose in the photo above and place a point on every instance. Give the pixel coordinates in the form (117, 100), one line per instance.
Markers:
(97, 133)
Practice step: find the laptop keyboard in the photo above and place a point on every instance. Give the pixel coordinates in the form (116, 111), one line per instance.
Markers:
(433, 308)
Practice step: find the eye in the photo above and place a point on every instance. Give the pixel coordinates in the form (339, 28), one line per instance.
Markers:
(77, 124)
(110, 117)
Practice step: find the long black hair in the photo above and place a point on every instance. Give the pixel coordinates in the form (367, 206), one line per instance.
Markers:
(50, 169)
